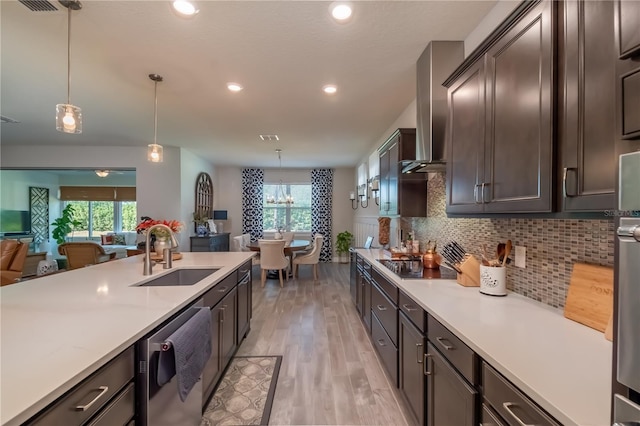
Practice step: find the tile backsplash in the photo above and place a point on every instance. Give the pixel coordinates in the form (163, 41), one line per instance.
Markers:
(553, 245)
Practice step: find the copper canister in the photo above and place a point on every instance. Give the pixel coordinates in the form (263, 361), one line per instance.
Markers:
(431, 260)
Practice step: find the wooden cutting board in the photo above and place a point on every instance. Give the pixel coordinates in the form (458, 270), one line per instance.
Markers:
(590, 296)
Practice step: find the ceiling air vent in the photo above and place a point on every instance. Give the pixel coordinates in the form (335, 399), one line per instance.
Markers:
(39, 5)
(268, 138)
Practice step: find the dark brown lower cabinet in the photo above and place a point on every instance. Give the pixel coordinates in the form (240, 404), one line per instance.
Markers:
(228, 342)
(212, 369)
(366, 300)
(412, 381)
(450, 399)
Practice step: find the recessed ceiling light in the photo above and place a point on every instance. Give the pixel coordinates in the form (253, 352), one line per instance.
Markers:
(330, 89)
(184, 7)
(268, 138)
(341, 11)
(234, 87)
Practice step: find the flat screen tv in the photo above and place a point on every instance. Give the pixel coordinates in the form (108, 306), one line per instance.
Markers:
(15, 222)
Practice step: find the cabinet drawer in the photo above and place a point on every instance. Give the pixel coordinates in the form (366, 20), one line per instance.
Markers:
(413, 311)
(243, 270)
(490, 418)
(119, 411)
(456, 352)
(387, 286)
(386, 312)
(91, 395)
(385, 347)
(514, 406)
(213, 296)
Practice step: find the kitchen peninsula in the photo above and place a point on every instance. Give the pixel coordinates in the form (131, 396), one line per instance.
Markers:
(57, 330)
(562, 366)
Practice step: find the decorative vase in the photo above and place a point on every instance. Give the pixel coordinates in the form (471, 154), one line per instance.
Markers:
(161, 244)
(202, 231)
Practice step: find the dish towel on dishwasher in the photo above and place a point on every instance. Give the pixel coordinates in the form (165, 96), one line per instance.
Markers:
(190, 351)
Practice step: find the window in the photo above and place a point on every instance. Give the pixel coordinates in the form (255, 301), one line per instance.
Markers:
(100, 217)
(289, 217)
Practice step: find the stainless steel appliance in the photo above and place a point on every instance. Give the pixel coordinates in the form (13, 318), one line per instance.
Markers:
(626, 398)
(161, 405)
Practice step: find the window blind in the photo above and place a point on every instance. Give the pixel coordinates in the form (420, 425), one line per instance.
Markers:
(98, 193)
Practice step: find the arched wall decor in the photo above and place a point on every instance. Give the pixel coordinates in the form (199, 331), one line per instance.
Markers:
(204, 197)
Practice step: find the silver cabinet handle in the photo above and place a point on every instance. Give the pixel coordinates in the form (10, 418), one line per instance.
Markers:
(222, 309)
(425, 364)
(103, 389)
(223, 289)
(565, 172)
(475, 193)
(507, 406)
(381, 342)
(482, 190)
(381, 308)
(409, 308)
(418, 357)
(442, 341)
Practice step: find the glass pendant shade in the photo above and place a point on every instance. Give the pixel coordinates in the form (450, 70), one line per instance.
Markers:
(154, 153)
(68, 118)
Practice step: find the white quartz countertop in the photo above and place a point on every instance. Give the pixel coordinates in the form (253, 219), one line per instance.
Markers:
(56, 330)
(564, 366)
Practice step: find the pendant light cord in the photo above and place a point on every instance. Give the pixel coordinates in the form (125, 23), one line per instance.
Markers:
(69, 55)
(155, 114)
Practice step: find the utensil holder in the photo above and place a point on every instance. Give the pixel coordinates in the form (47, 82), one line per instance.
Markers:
(493, 280)
(470, 268)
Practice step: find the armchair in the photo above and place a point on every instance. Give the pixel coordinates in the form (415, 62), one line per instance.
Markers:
(84, 253)
(12, 256)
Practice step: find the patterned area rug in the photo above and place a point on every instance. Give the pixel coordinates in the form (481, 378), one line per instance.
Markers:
(245, 393)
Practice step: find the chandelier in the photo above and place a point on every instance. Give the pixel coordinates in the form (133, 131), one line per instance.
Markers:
(281, 197)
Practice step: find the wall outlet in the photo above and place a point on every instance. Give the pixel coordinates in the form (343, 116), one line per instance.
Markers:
(521, 256)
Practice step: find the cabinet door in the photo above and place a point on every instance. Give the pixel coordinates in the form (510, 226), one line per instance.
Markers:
(212, 369)
(394, 174)
(244, 308)
(587, 121)
(228, 327)
(465, 145)
(519, 116)
(384, 182)
(412, 381)
(451, 401)
(628, 31)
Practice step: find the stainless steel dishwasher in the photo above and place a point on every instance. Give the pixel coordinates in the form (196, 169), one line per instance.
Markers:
(161, 405)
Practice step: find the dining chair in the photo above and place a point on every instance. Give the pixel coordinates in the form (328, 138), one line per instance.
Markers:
(241, 242)
(84, 253)
(288, 236)
(272, 257)
(311, 258)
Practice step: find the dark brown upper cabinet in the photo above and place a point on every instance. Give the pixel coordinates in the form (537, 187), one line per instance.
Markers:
(628, 17)
(501, 105)
(586, 105)
(401, 194)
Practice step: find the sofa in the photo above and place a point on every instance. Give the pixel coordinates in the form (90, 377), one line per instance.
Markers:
(120, 242)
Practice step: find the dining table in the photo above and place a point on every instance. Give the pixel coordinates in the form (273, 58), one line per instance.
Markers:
(289, 249)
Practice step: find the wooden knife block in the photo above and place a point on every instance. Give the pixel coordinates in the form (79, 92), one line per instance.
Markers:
(470, 276)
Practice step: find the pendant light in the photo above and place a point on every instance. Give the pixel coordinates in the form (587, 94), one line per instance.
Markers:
(154, 151)
(68, 116)
(281, 197)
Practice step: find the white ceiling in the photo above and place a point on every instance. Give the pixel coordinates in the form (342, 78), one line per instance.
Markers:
(282, 52)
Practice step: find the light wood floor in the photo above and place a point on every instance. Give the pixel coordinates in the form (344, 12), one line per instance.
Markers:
(330, 374)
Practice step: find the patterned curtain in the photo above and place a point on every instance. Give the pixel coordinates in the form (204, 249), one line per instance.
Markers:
(252, 189)
(321, 207)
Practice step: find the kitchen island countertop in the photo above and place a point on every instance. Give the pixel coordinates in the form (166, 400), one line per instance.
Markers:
(58, 329)
(564, 366)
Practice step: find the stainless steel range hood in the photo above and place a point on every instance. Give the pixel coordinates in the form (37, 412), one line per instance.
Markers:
(437, 62)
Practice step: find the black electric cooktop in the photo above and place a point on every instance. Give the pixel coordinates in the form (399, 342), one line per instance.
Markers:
(413, 268)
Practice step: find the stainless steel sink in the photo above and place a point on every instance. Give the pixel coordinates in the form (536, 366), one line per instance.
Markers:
(180, 277)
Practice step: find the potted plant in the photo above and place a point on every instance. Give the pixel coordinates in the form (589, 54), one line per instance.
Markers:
(64, 224)
(343, 243)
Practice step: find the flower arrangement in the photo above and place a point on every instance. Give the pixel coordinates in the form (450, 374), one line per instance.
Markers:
(147, 222)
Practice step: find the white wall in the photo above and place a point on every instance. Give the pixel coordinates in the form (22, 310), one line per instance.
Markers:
(190, 167)
(159, 186)
(492, 19)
